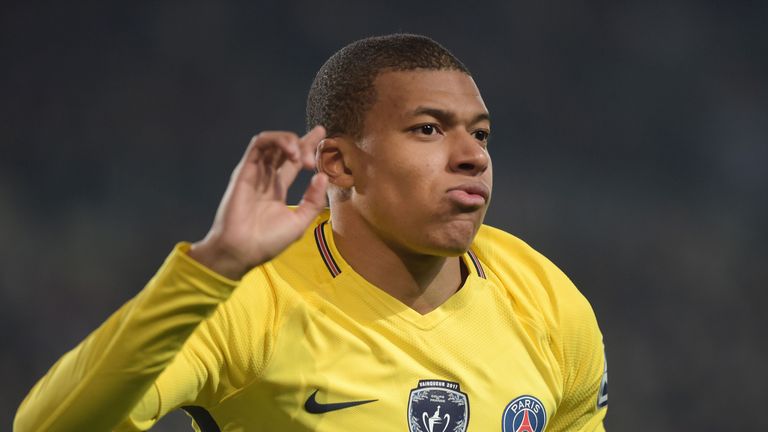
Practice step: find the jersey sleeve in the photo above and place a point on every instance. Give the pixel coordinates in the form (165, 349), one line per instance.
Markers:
(582, 357)
(226, 352)
(110, 380)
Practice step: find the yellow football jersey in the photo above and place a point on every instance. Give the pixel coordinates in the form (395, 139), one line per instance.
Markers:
(304, 343)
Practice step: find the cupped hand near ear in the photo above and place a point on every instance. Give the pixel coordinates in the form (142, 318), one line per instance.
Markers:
(253, 224)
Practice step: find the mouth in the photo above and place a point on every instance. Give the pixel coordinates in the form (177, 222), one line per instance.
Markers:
(470, 195)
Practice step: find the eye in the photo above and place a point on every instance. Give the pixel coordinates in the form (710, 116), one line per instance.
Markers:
(431, 130)
(427, 129)
(481, 135)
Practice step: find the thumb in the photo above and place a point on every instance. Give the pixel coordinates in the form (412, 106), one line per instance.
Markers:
(313, 201)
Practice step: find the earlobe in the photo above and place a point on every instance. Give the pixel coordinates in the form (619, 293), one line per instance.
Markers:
(331, 160)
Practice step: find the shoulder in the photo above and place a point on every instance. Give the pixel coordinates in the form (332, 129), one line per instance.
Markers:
(299, 272)
(514, 261)
(530, 276)
(541, 291)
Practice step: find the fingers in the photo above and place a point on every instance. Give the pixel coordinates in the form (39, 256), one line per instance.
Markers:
(266, 155)
(265, 143)
(269, 151)
(280, 146)
(309, 143)
(313, 201)
(290, 145)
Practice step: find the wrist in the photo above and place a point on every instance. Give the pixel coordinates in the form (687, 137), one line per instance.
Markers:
(218, 259)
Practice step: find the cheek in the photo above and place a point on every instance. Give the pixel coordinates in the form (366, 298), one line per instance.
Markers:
(489, 174)
(412, 175)
(416, 178)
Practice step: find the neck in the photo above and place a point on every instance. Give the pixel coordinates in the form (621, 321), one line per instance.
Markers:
(421, 282)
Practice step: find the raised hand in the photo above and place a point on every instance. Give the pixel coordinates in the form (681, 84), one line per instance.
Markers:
(253, 223)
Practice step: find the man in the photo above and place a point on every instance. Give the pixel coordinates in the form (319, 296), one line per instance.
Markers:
(395, 310)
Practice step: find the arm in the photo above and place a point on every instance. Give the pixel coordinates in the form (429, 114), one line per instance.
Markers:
(585, 391)
(578, 344)
(111, 373)
(94, 386)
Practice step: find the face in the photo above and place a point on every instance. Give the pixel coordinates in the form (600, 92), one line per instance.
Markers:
(422, 172)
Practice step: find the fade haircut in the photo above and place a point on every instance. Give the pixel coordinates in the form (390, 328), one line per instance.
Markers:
(343, 90)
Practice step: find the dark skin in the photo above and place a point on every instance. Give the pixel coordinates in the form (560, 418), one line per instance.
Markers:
(407, 197)
(253, 224)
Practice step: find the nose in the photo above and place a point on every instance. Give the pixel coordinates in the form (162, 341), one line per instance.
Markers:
(469, 156)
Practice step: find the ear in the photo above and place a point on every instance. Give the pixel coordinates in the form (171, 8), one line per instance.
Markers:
(333, 157)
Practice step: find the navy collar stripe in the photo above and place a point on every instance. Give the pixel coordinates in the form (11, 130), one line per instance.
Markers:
(476, 262)
(325, 251)
(333, 267)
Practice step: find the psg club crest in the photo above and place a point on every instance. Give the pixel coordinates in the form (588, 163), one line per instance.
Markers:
(524, 414)
(438, 406)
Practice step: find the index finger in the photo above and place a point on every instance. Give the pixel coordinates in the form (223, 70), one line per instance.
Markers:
(308, 143)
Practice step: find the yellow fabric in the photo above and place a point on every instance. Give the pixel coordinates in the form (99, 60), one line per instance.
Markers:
(291, 328)
(96, 385)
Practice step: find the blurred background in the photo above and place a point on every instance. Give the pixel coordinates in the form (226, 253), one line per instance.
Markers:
(630, 144)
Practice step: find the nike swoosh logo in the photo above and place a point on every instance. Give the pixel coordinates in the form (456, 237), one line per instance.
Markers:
(312, 406)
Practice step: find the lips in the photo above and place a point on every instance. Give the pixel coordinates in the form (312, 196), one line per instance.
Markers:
(470, 195)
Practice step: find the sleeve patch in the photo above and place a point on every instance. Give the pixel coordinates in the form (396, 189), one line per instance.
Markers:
(602, 395)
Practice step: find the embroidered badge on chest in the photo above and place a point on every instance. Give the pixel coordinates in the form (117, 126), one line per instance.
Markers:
(438, 406)
(524, 414)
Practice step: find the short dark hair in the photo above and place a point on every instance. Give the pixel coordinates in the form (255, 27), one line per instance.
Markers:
(343, 90)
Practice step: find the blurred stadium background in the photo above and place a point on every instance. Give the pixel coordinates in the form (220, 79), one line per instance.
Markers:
(630, 146)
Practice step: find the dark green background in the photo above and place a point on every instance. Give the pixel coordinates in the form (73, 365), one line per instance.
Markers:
(630, 144)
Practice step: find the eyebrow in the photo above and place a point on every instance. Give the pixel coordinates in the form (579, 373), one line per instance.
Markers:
(447, 117)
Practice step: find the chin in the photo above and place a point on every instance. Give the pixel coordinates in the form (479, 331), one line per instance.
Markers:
(452, 242)
(449, 250)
